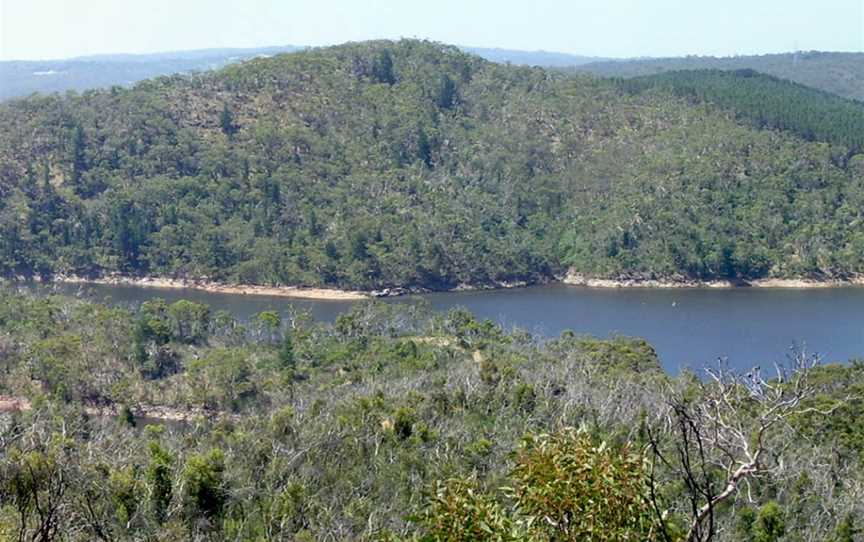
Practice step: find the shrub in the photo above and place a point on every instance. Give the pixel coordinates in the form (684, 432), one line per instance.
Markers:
(158, 477)
(203, 479)
(459, 511)
(570, 488)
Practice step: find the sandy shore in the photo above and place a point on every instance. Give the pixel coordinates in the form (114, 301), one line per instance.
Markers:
(577, 279)
(297, 292)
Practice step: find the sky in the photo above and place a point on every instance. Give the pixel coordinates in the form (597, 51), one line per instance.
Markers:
(52, 29)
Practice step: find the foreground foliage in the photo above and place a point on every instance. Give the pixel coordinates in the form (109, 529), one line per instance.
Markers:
(396, 423)
(565, 487)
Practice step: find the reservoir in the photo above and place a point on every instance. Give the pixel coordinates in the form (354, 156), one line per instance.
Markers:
(688, 327)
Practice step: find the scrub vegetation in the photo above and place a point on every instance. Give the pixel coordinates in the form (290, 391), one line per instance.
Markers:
(396, 423)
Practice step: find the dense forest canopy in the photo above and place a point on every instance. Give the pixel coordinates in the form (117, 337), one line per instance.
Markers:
(767, 102)
(835, 72)
(394, 423)
(414, 164)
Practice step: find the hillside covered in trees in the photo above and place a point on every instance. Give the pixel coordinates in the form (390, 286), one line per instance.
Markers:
(766, 102)
(413, 164)
(838, 73)
(169, 422)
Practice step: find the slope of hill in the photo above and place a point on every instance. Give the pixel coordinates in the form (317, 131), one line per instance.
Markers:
(837, 73)
(413, 164)
(766, 101)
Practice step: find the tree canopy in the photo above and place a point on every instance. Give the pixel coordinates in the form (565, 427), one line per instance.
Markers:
(413, 164)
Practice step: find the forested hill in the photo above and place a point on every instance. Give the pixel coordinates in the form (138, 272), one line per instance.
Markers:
(766, 101)
(414, 164)
(838, 73)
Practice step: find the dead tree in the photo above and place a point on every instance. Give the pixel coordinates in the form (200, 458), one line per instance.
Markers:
(720, 437)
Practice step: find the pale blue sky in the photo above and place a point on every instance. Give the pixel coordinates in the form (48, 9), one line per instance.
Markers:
(40, 29)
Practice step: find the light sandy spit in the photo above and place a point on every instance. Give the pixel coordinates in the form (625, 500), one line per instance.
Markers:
(324, 294)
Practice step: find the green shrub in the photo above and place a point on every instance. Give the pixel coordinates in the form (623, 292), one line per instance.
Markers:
(459, 511)
(205, 492)
(769, 525)
(569, 487)
(158, 476)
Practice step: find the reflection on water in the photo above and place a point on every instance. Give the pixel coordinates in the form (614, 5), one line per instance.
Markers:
(687, 327)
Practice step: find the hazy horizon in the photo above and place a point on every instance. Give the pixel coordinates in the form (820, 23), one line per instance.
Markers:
(460, 45)
(57, 29)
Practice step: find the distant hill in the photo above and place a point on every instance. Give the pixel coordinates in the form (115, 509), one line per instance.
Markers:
(545, 59)
(839, 73)
(413, 164)
(24, 77)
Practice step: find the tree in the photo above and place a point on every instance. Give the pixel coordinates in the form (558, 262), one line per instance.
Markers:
(383, 69)
(424, 148)
(34, 484)
(727, 435)
(158, 477)
(140, 338)
(226, 122)
(769, 526)
(446, 98)
(77, 155)
(124, 487)
(46, 177)
(846, 530)
(126, 417)
(267, 324)
(223, 378)
(129, 231)
(189, 321)
(286, 354)
(205, 491)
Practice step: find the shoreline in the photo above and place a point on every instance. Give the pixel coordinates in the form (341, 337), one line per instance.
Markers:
(296, 292)
(331, 294)
(578, 279)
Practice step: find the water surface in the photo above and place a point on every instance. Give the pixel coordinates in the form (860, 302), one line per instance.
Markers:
(688, 327)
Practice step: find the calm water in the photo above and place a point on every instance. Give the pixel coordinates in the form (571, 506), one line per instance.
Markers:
(687, 327)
